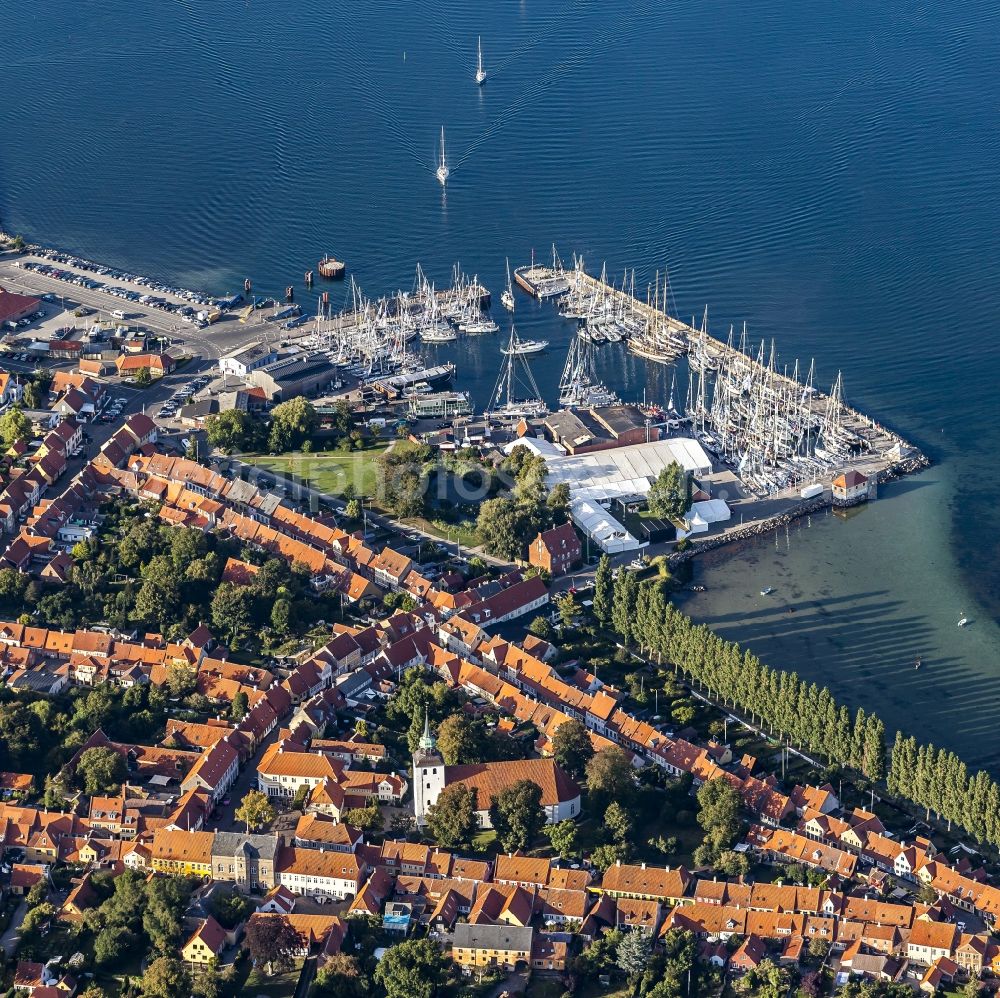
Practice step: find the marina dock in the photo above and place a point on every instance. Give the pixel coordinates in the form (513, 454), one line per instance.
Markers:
(770, 424)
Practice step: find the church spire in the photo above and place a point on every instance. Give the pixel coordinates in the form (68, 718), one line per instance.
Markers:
(427, 742)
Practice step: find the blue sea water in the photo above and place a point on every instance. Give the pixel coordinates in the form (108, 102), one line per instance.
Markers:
(825, 172)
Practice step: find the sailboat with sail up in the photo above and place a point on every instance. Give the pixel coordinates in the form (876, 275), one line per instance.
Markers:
(480, 72)
(442, 172)
(515, 378)
(507, 298)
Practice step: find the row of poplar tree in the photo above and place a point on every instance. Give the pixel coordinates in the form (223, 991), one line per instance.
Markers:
(803, 714)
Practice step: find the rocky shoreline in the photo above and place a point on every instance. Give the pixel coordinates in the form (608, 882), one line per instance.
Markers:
(899, 469)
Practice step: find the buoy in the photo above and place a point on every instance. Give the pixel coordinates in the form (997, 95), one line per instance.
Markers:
(289, 293)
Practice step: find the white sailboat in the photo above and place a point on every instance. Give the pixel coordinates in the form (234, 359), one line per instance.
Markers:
(442, 170)
(505, 402)
(507, 298)
(480, 72)
(525, 346)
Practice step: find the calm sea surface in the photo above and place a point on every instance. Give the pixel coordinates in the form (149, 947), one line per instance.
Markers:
(826, 172)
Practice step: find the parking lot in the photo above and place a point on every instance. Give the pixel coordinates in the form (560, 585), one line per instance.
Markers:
(181, 397)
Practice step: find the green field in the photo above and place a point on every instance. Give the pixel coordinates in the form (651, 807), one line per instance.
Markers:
(328, 471)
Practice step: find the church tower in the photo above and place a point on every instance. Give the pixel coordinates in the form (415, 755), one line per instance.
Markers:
(428, 773)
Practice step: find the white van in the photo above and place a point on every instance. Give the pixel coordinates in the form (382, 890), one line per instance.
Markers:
(117, 314)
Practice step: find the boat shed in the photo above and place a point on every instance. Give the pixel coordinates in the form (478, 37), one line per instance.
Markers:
(625, 471)
(602, 528)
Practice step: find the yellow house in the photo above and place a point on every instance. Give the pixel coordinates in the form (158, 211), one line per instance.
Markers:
(182, 853)
(206, 943)
(504, 946)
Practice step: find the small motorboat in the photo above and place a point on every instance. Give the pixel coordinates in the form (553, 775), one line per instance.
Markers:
(767, 590)
(963, 622)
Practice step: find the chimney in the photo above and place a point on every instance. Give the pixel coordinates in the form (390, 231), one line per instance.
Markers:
(618, 862)
(644, 866)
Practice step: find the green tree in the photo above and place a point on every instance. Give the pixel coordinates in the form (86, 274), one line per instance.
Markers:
(38, 893)
(451, 819)
(558, 503)
(719, 810)
(165, 977)
(181, 679)
(239, 707)
(569, 609)
(633, 953)
(143, 377)
(281, 616)
(572, 748)
(414, 968)
(608, 854)
(670, 495)
(229, 910)
(368, 819)
(14, 426)
(618, 822)
(562, 837)
(604, 591)
(500, 525)
(292, 423)
(623, 609)
(731, 863)
(232, 610)
(517, 816)
(111, 945)
(458, 740)
(255, 811)
(873, 754)
(100, 770)
(233, 430)
(609, 775)
(341, 977)
(766, 980)
(541, 628)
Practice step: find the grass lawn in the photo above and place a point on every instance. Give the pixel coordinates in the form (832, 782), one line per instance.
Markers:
(463, 533)
(545, 987)
(594, 989)
(328, 471)
(485, 841)
(278, 986)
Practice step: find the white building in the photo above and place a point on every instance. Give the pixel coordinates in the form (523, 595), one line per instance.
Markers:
(242, 362)
(560, 794)
(316, 873)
